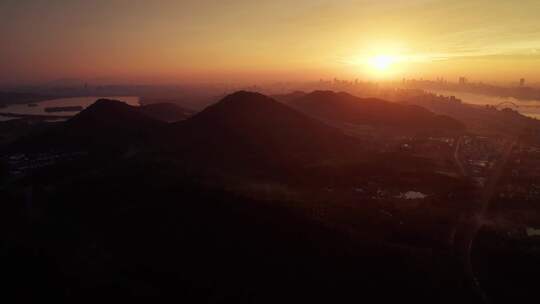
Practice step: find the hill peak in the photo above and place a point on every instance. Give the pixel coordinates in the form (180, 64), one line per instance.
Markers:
(107, 102)
(246, 106)
(245, 98)
(104, 108)
(108, 112)
(250, 131)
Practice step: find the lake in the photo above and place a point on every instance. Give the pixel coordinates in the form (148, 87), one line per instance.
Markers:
(529, 108)
(39, 109)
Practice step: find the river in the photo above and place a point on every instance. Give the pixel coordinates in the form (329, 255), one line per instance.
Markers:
(529, 108)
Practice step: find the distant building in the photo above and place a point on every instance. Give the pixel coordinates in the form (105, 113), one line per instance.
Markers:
(522, 82)
(462, 80)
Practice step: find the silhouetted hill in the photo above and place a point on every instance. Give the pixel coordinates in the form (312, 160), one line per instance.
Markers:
(343, 107)
(287, 98)
(252, 130)
(110, 114)
(167, 112)
(105, 125)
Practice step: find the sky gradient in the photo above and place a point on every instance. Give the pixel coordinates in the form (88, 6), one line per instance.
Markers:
(170, 41)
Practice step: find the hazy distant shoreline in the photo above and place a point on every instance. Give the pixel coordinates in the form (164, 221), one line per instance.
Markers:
(78, 103)
(530, 108)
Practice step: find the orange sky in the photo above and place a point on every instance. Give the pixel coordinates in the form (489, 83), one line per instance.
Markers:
(170, 41)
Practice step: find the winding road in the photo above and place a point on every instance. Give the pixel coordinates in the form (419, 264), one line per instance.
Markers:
(470, 228)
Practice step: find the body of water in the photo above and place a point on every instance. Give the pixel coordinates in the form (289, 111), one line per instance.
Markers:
(529, 108)
(39, 108)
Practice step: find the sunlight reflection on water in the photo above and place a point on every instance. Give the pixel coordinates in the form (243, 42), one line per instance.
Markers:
(84, 102)
(529, 108)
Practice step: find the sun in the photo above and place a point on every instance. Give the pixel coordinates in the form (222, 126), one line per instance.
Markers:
(379, 65)
(381, 62)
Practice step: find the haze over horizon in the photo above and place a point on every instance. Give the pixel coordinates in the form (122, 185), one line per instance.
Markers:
(168, 41)
(255, 152)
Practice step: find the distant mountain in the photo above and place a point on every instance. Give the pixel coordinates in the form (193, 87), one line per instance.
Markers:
(251, 130)
(346, 108)
(167, 112)
(105, 125)
(287, 98)
(111, 115)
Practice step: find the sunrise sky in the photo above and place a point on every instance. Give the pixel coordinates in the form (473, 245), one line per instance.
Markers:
(183, 40)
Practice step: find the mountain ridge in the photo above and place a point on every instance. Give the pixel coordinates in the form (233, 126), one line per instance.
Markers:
(251, 130)
(347, 108)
